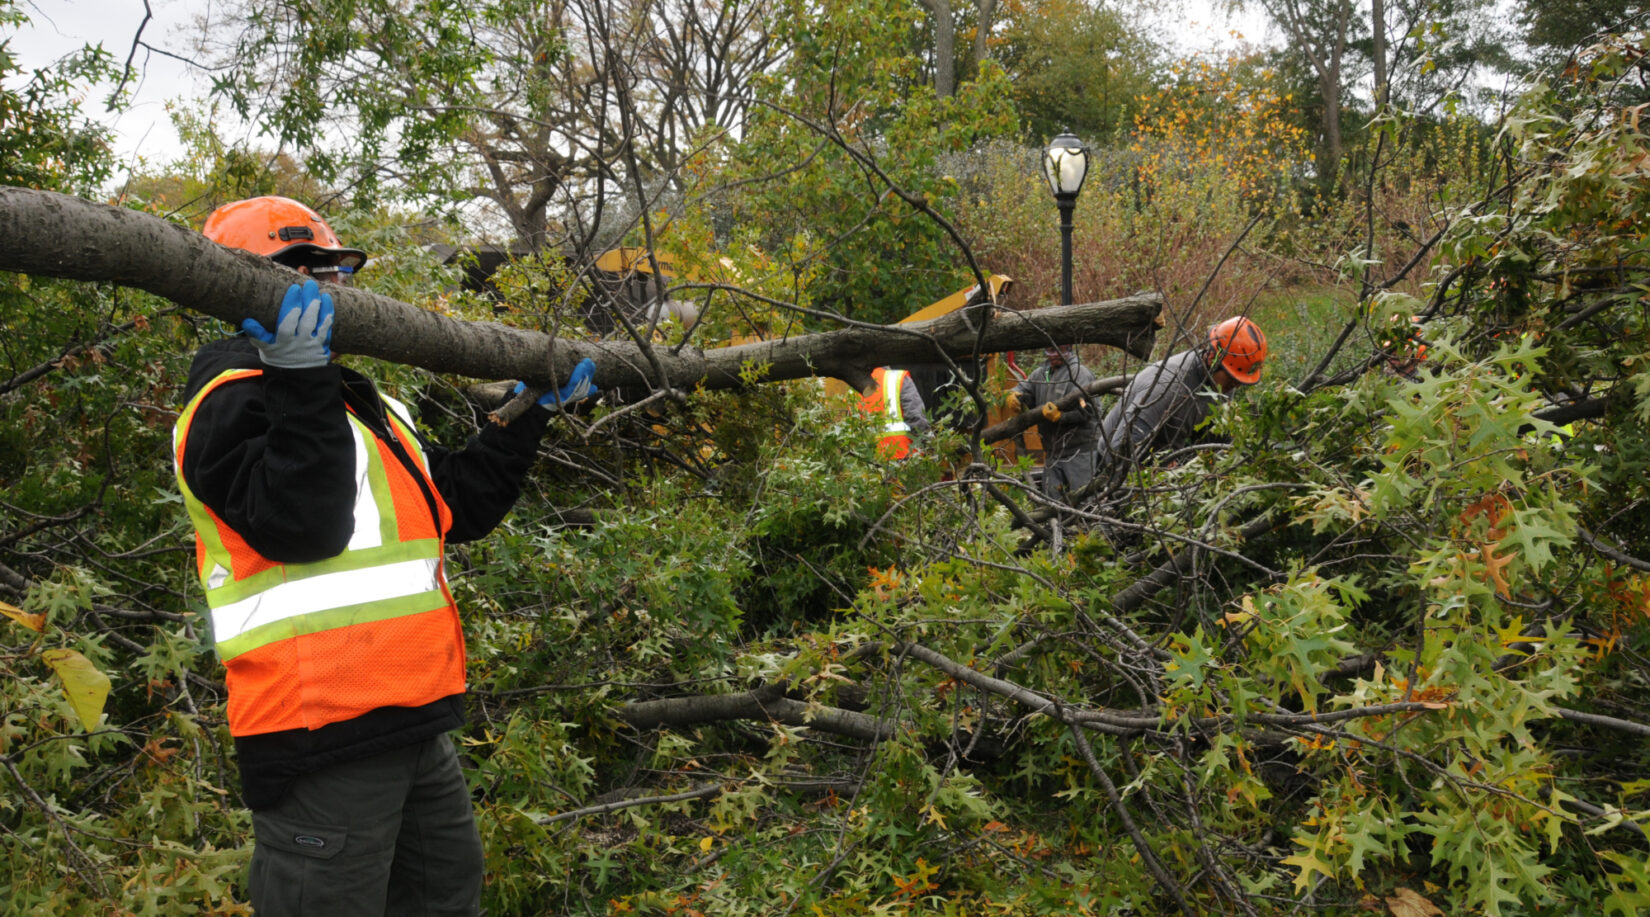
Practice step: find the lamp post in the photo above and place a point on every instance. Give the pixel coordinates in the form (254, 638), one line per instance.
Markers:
(1065, 165)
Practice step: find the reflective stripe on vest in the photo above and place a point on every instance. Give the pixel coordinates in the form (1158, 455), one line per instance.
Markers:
(892, 380)
(385, 589)
(895, 442)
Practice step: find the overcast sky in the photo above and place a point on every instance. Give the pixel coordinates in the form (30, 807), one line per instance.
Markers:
(59, 27)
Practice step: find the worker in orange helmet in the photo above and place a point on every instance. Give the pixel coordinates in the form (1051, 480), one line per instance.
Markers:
(1166, 402)
(320, 517)
(894, 395)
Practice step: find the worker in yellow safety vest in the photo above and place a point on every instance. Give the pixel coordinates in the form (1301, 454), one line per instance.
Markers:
(895, 396)
(320, 519)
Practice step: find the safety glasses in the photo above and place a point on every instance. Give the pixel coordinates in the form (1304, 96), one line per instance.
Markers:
(333, 273)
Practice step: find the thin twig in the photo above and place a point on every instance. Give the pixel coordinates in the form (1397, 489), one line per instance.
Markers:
(1147, 854)
(709, 789)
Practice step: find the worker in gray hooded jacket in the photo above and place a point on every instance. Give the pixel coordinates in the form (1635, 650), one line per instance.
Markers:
(1168, 400)
(1068, 436)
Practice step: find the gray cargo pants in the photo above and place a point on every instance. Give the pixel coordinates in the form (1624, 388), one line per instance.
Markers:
(1062, 477)
(393, 834)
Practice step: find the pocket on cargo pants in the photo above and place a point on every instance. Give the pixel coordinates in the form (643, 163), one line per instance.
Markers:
(296, 869)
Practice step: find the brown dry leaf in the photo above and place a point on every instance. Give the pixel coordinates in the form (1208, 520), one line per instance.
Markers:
(1493, 563)
(1404, 902)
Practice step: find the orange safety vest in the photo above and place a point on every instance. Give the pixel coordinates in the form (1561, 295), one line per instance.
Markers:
(306, 645)
(896, 438)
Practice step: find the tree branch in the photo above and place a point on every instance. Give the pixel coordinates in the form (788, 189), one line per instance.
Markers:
(709, 789)
(1609, 722)
(96, 242)
(764, 704)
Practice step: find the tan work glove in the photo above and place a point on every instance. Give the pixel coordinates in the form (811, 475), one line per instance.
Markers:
(1050, 412)
(1013, 403)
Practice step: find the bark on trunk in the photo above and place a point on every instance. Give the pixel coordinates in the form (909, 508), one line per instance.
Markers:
(1329, 87)
(945, 47)
(982, 33)
(56, 235)
(1377, 29)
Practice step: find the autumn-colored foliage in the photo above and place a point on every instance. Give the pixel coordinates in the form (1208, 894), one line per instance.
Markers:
(1378, 646)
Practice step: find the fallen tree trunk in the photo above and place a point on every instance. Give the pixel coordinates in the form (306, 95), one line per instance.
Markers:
(56, 235)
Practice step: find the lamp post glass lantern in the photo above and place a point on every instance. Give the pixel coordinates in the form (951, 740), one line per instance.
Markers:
(1065, 165)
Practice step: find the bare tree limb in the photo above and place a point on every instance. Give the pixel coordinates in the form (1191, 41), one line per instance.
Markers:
(764, 704)
(1147, 854)
(708, 790)
(1019, 423)
(1616, 554)
(1608, 722)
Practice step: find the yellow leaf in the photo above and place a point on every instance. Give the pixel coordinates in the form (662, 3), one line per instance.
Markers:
(705, 843)
(36, 623)
(1240, 618)
(1406, 903)
(85, 686)
(1309, 864)
(1513, 633)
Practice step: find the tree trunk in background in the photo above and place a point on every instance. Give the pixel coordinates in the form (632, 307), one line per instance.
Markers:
(1318, 31)
(945, 47)
(56, 235)
(1329, 86)
(982, 34)
(1377, 30)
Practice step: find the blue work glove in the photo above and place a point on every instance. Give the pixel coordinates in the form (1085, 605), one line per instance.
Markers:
(579, 387)
(303, 330)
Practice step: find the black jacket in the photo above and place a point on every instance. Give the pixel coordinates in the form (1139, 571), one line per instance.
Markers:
(274, 458)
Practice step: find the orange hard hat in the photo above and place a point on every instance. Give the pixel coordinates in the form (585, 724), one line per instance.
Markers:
(278, 228)
(1240, 347)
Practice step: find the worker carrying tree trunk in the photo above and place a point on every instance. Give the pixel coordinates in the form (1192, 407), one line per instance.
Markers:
(1068, 436)
(320, 520)
(896, 397)
(1167, 401)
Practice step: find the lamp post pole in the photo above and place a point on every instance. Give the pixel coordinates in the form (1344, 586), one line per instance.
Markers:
(1065, 165)
(1066, 205)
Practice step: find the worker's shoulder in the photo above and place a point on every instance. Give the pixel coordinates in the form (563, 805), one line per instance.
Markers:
(1178, 370)
(1184, 366)
(217, 358)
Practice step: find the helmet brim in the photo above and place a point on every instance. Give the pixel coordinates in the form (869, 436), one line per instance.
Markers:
(352, 258)
(1247, 377)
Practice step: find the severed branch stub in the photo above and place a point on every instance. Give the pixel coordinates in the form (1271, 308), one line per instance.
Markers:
(518, 404)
